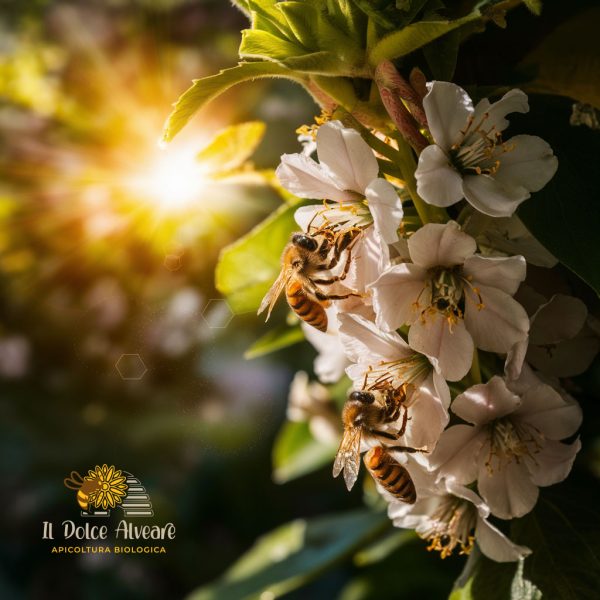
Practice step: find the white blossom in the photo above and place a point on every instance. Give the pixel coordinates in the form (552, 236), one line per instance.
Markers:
(452, 517)
(453, 299)
(309, 401)
(513, 443)
(470, 160)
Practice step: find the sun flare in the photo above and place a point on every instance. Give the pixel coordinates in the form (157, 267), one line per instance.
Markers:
(172, 179)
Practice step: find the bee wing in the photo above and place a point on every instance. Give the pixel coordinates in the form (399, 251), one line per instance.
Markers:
(348, 456)
(274, 292)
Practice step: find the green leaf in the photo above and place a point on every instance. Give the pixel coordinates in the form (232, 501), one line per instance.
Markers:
(275, 339)
(204, 90)
(564, 215)
(318, 63)
(267, 46)
(575, 73)
(242, 5)
(297, 453)
(382, 548)
(535, 6)
(294, 554)
(297, 17)
(484, 579)
(409, 39)
(231, 147)
(376, 14)
(248, 267)
(441, 56)
(564, 534)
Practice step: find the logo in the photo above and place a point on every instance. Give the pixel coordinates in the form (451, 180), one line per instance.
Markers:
(102, 490)
(105, 488)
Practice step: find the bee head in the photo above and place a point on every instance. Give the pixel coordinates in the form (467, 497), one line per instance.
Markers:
(362, 396)
(305, 241)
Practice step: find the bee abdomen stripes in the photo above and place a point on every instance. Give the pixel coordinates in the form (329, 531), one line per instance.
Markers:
(391, 475)
(309, 311)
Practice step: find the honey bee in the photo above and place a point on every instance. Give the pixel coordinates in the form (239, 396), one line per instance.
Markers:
(83, 486)
(365, 412)
(390, 474)
(302, 259)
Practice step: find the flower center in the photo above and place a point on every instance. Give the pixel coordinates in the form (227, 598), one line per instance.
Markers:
(342, 215)
(479, 150)
(447, 290)
(511, 441)
(452, 524)
(411, 369)
(447, 287)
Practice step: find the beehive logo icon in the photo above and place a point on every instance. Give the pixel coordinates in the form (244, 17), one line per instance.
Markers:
(105, 488)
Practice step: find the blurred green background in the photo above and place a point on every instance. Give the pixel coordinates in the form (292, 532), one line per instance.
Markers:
(92, 268)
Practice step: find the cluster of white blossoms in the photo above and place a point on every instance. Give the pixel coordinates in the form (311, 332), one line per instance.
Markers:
(449, 302)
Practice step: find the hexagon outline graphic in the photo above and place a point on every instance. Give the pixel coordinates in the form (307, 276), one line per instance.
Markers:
(222, 302)
(140, 363)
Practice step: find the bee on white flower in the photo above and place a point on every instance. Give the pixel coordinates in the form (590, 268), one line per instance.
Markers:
(347, 177)
(376, 355)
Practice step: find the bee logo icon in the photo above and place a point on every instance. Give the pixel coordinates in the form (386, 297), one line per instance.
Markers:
(104, 488)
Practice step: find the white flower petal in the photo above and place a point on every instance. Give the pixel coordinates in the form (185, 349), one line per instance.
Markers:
(485, 402)
(508, 491)
(530, 163)
(553, 463)
(551, 414)
(395, 294)
(561, 318)
(309, 215)
(331, 361)
(456, 453)
(506, 274)
(305, 178)
(386, 208)
(348, 157)
(500, 324)
(495, 113)
(495, 545)
(565, 359)
(438, 182)
(441, 388)
(451, 347)
(448, 108)
(428, 418)
(515, 359)
(363, 341)
(440, 245)
(507, 236)
(486, 194)
(370, 258)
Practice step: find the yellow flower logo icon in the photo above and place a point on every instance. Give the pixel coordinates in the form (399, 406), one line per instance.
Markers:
(111, 487)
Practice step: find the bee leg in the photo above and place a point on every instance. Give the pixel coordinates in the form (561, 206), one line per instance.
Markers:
(384, 434)
(346, 243)
(404, 422)
(408, 449)
(322, 296)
